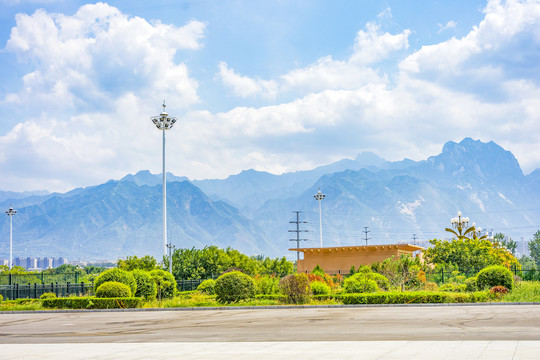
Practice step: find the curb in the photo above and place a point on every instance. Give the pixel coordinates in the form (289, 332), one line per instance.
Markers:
(276, 307)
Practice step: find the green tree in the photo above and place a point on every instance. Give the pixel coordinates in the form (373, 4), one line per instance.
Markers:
(505, 241)
(468, 254)
(402, 273)
(146, 263)
(534, 248)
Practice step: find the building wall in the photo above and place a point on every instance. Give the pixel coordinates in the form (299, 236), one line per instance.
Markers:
(340, 260)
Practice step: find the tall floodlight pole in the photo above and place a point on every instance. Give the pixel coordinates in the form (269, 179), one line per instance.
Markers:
(171, 249)
(319, 196)
(164, 122)
(10, 213)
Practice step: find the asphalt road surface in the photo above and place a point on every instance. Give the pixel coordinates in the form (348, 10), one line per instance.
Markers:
(411, 323)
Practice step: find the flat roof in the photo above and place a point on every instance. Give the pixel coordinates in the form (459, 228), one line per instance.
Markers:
(359, 248)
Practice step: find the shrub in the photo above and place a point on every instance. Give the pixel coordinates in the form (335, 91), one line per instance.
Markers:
(414, 297)
(431, 286)
(165, 283)
(319, 288)
(267, 285)
(296, 288)
(470, 284)
(207, 287)
(113, 289)
(234, 286)
(493, 276)
(118, 275)
(146, 287)
(48, 295)
(1, 298)
(447, 287)
(359, 285)
(92, 303)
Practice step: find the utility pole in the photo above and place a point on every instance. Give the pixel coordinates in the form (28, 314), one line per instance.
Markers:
(170, 247)
(298, 231)
(366, 232)
(414, 239)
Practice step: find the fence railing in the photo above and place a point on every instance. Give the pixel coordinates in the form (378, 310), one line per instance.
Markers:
(39, 278)
(34, 291)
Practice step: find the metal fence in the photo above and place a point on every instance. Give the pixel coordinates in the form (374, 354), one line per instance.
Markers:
(39, 278)
(34, 291)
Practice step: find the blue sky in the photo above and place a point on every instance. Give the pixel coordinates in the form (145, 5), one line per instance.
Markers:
(275, 86)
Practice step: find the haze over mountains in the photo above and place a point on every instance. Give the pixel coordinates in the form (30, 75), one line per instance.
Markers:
(251, 211)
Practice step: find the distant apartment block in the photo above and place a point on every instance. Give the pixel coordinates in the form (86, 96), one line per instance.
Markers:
(31, 263)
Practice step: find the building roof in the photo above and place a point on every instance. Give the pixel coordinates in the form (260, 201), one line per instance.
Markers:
(359, 249)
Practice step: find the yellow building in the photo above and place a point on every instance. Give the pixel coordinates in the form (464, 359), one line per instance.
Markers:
(339, 259)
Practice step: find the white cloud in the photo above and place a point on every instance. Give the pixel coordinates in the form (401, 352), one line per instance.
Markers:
(449, 25)
(245, 86)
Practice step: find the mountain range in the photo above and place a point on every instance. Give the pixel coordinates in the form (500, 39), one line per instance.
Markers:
(368, 197)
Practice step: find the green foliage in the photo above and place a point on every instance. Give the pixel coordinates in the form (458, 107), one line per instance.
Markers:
(147, 263)
(113, 289)
(92, 269)
(92, 303)
(68, 269)
(471, 285)
(317, 270)
(207, 287)
(534, 248)
(415, 297)
(447, 287)
(212, 261)
(165, 283)
(117, 275)
(234, 286)
(296, 288)
(319, 288)
(267, 285)
(48, 295)
(493, 276)
(1, 298)
(467, 254)
(402, 273)
(146, 286)
(359, 283)
(431, 286)
(524, 291)
(506, 242)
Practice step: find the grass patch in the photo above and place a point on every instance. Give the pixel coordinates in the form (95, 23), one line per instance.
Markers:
(21, 305)
(524, 291)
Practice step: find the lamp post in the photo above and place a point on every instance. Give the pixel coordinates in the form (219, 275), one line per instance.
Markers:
(319, 196)
(11, 213)
(164, 122)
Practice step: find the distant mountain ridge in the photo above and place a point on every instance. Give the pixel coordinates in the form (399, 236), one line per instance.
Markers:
(251, 211)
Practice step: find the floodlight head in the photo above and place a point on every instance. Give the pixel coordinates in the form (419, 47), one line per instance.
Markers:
(11, 212)
(163, 121)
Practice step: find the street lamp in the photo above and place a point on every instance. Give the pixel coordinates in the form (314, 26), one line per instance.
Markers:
(461, 226)
(11, 213)
(319, 196)
(164, 122)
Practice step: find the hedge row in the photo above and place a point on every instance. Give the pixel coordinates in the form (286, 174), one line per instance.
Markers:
(414, 297)
(92, 303)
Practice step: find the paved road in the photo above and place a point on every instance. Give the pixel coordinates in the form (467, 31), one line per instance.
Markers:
(433, 323)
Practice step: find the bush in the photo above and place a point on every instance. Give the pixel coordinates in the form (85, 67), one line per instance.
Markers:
(92, 303)
(48, 295)
(146, 287)
(1, 298)
(234, 286)
(414, 297)
(207, 287)
(363, 282)
(113, 289)
(165, 283)
(471, 285)
(118, 275)
(267, 285)
(296, 288)
(431, 286)
(494, 276)
(319, 288)
(447, 287)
